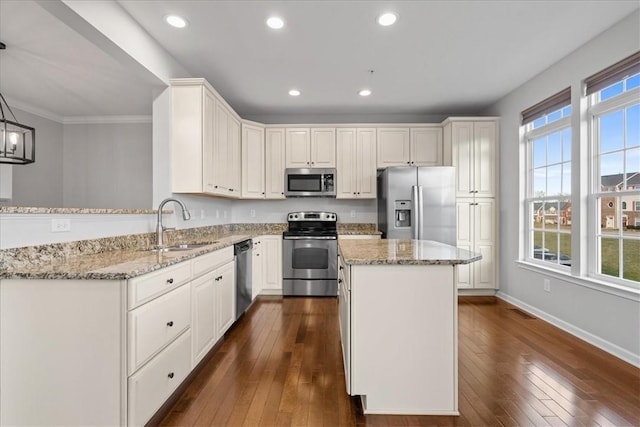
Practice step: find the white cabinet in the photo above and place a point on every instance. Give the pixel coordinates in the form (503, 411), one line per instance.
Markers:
(204, 331)
(426, 146)
(225, 281)
(274, 163)
(356, 163)
(476, 233)
(267, 265)
(344, 319)
(409, 146)
(393, 147)
(310, 148)
(471, 144)
(253, 162)
(205, 141)
(471, 147)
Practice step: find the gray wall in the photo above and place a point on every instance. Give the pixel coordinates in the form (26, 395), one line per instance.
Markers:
(607, 319)
(40, 183)
(107, 165)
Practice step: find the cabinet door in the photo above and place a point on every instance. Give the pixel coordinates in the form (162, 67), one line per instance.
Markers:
(465, 236)
(346, 159)
(256, 268)
(189, 149)
(426, 146)
(344, 319)
(253, 162)
(365, 161)
(221, 153)
(462, 157)
(234, 162)
(484, 171)
(225, 282)
(274, 164)
(297, 148)
(323, 148)
(484, 271)
(203, 305)
(208, 142)
(393, 147)
(272, 263)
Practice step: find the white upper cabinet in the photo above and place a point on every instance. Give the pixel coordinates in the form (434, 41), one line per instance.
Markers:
(253, 162)
(323, 148)
(310, 148)
(274, 163)
(471, 147)
(426, 146)
(356, 163)
(393, 147)
(205, 139)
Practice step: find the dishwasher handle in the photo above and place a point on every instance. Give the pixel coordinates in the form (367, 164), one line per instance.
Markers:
(243, 246)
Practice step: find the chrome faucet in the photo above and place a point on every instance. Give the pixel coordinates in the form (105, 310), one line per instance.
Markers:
(159, 227)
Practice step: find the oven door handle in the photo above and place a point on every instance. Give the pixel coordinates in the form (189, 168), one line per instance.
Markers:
(309, 238)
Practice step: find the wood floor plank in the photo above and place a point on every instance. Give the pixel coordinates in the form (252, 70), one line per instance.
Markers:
(281, 365)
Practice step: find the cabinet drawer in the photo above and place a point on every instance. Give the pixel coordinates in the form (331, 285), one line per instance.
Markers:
(344, 274)
(150, 387)
(149, 286)
(155, 324)
(208, 262)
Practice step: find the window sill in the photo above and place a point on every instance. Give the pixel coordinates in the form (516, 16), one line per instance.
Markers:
(622, 291)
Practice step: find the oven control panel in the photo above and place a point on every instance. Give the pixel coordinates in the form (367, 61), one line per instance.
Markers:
(312, 216)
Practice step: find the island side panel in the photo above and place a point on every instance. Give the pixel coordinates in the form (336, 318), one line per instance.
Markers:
(404, 339)
(61, 355)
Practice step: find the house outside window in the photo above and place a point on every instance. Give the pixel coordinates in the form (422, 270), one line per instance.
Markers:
(615, 137)
(548, 137)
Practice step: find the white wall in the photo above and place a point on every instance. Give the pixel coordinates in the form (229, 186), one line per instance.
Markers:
(40, 183)
(107, 165)
(608, 320)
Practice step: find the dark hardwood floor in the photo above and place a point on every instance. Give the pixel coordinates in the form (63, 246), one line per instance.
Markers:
(281, 365)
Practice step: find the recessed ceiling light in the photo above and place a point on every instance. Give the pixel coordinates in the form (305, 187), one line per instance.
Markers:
(387, 19)
(275, 22)
(294, 92)
(364, 92)
(176, 21)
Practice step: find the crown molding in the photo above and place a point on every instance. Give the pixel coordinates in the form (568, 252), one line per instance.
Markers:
(81, 120)
(27, 108)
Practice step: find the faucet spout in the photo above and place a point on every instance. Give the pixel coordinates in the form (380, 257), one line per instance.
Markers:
(159, 227)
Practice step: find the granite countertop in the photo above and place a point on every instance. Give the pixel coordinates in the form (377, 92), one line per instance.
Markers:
(407, 252)
(115, 265)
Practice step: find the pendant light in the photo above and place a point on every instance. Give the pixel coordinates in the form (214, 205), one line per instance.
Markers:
(17, 141)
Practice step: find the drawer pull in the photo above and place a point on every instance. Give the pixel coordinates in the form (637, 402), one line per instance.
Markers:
(170, 375)
(170, 280)
(170, 323)
(341, 268)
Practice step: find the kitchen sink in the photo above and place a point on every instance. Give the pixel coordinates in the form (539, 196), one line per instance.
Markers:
(181, 247)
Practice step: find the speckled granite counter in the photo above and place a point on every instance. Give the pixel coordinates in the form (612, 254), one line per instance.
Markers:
(122, 257)
(407, 252)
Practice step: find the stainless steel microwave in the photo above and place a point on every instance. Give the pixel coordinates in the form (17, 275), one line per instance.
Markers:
(310, 182)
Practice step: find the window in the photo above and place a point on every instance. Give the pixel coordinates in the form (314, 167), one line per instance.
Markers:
(614, 111)
(548, 135)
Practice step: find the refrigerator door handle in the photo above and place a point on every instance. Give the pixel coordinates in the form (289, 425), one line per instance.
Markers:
(415, 211)
(420, 213)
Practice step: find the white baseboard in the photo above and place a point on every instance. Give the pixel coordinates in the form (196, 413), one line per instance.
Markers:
(602, 344)
(271, 292)
(476, 292)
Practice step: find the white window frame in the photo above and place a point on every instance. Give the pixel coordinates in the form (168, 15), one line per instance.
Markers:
(596, 109)
(530, 134)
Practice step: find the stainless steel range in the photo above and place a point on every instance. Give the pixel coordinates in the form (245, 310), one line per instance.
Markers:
(310, 254)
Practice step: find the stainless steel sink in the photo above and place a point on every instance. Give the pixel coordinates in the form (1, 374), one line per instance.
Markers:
(181, 247)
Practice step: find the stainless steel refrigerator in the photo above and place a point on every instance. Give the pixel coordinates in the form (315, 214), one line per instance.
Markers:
(417, 203)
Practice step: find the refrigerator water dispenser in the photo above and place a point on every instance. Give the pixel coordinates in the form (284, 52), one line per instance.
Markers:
(403, 213)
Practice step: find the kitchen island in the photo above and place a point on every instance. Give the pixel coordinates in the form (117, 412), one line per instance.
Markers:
(398, 324)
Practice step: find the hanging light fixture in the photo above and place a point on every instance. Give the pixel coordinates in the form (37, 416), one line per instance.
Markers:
(17, 141)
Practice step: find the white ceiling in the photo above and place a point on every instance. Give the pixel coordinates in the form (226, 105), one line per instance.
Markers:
(441, 57)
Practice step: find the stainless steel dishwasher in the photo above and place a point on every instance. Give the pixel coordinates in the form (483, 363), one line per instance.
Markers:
(242, 252)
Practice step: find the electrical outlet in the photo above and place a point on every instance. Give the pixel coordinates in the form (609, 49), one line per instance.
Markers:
(217, 213)
(253, 213)
(202, 214)
(353, 214)
(60, 225)
(547, 285)
(224, 214)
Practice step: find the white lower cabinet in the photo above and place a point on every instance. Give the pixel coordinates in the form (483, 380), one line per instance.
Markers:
(344, 319)
(476, 232)
(153, 384)
(267, 265)
(109, 352)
